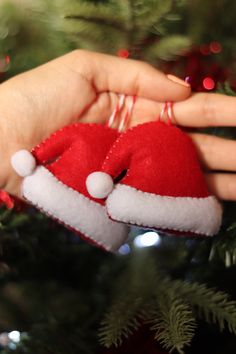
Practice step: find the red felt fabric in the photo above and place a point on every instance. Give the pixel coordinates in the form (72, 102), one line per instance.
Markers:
(75, 151)
(159, 159)
(6, 199)
(57, 143)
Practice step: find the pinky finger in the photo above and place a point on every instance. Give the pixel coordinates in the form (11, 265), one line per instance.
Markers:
(222, 185)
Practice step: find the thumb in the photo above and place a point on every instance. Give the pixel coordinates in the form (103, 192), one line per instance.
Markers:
(183, 90)
(130, 77)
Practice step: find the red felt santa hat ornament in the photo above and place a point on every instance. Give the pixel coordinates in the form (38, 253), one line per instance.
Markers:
(55, 173)
(162, 186)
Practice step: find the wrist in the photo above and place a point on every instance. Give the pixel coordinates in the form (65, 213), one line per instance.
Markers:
(9, 181)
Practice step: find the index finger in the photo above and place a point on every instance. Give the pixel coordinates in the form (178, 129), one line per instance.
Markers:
(130, 77)
(206, 110)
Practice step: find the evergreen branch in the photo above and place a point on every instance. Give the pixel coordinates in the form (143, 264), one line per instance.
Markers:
(174, 323)
(131, 306)
(120, 322)
(225, 89)
(128, 22)
(168, 48)
(142, 17)
(126, 9)
(98, 21)
(150, 13)
(171, 316)
(95, 36)
(215, 306)
(98, 13)
(10, 220)
(224, 248)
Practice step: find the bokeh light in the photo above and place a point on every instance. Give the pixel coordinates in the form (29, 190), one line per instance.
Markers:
(147, 239)
(208, 83)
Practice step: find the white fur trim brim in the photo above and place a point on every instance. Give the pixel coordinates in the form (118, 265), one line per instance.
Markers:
(196, 215)
(45, 191)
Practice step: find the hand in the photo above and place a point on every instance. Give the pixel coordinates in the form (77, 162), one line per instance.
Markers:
(216, 154)
(80, 86)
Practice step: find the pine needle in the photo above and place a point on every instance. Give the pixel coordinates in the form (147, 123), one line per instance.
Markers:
(120, 322)
(174, 324)
(113, 25)
(172, 317)
(130, 302)
(169, 48)
(214, 306)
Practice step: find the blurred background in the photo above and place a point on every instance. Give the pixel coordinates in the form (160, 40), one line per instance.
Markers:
(159, 293)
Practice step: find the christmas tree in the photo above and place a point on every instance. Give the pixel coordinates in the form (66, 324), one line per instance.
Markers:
(60, 295)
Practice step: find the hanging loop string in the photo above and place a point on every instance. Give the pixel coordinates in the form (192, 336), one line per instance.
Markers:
(163, 111)
(167, 110)
(124, 122)
(117, 110)
(170, 115)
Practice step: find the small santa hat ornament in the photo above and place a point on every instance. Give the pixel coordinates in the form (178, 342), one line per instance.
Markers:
(54, 181)
(160, 182)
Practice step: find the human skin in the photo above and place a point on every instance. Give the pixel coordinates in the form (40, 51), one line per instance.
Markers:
(83, 86)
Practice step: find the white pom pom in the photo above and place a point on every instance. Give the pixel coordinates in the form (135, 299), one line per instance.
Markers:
(23, 162)
(99, 184)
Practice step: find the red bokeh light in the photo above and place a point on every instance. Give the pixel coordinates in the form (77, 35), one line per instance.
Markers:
(215, 47)
(123, 53)
(208, 83)
(7, 59)
(205, 49)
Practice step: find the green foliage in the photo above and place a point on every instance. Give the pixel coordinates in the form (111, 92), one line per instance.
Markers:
(226, 89)
(27, 36)
(131, 24)
(169, 48)
(173, 323)
(48, 289)
(224, 248)
(10, 221)
(213, 305)
(170, 306)
(131, 296)
(114, 327)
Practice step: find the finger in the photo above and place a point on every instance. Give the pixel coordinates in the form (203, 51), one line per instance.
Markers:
(144, 110)
(131, 77)
(222, 185)
(206, 110)
(215, 153)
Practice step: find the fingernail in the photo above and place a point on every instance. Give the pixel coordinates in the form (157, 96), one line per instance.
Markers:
(177, 80)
